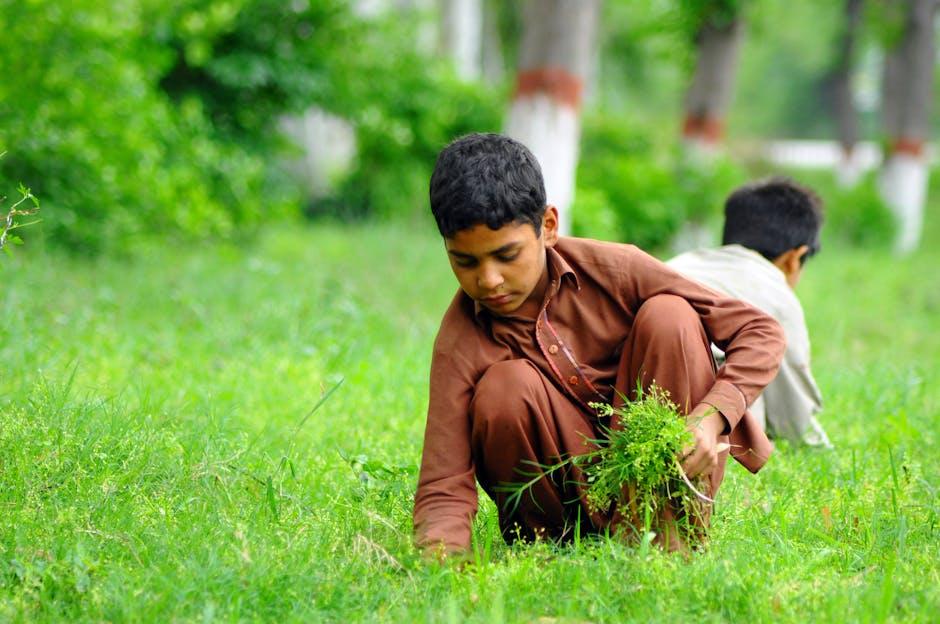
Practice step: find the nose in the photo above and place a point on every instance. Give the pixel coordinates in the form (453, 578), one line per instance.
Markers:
(489, 278)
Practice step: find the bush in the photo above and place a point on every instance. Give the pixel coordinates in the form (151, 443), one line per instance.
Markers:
(632, 190)
(405, 108)
(93, 135)
(858, 216)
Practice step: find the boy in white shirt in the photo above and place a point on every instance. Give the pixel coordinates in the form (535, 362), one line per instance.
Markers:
(771, 228)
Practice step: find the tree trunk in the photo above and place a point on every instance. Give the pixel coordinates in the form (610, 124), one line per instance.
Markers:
(554, 58)
(492, 61)
(461, 34)
(906, 93)
(719, 43)
(327, 148)
(839, 93)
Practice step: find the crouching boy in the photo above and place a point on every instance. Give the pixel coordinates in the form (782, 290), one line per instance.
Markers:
(544, 325)
(771, 228)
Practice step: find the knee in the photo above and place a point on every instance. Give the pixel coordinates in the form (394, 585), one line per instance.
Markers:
(666, 317)
(501, 395)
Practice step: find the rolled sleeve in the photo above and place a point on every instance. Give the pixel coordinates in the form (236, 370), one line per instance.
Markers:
(446, 498)
(728, 401)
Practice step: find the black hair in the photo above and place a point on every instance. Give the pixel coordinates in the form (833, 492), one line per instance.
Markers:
(486, 178)
(773, 216)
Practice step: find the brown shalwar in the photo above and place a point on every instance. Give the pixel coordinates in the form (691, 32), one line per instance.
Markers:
(508, 393)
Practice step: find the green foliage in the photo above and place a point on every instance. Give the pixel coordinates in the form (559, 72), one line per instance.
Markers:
(859, 216)
(787, 53)
(110, 154)
(641, 451)
(8, 222)
(249, 61)
(156, 117)
(632, 190)
(405, 108)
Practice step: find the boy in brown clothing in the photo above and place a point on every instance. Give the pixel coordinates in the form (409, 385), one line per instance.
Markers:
(542, 326)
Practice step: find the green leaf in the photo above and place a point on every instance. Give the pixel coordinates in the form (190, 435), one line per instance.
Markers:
(272, 499)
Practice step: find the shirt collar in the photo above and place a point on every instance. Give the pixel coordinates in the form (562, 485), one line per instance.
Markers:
(755, 257)
(557, 266)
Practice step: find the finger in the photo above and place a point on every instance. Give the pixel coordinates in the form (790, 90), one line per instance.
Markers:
(721, 448)
(703, 461)
(692, 463)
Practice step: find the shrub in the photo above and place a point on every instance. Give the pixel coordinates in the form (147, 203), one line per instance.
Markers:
(859, 216)
(105, 149)
(646, 191)
(405, 108)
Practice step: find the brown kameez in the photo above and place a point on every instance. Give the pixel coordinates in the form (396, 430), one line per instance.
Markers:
(505, 391)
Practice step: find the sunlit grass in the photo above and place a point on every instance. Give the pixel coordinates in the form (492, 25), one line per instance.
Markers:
(155, 463)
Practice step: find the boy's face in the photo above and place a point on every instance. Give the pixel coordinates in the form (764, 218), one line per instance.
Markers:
(503, 269)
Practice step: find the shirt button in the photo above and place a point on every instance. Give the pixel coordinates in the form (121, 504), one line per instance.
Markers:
(573, 380)
(553, 349)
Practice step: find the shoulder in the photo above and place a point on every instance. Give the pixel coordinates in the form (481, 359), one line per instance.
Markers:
(586, 252)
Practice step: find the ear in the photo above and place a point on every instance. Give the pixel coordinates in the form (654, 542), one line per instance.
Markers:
(798, 253)
(790, 263)
(550, 226)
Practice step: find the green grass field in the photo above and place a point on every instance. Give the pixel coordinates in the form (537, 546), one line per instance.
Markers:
(159, 460)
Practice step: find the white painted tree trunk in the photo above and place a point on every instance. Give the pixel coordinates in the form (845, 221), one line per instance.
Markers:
(707, 100)
(903, 185)
(906, 97)
(849, 168)
(552, 131)
(328, 146)
(554, 58)
(461, 34)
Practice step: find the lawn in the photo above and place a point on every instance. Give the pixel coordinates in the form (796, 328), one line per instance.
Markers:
(162, 455)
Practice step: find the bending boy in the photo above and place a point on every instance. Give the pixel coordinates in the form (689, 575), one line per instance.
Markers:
(541, 326)
(771, 228)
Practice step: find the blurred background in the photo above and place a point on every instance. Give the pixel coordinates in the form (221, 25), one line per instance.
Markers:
(209, 119)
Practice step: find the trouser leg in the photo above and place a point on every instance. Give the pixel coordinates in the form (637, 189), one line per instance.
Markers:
(668, 346)
(521, 423)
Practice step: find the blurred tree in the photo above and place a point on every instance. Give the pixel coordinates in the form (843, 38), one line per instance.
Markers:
(492, 55)
(460, 35)
(907, 87)
(838, 90)
(719, 29)
(558, 38)
(788, 50)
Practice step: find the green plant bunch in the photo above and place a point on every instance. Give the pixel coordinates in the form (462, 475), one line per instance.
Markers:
(635, 471)
(636, 467)
(641, 451)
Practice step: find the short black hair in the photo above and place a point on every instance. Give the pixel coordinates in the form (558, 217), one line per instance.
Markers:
(486, 178)
(773, 216)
